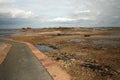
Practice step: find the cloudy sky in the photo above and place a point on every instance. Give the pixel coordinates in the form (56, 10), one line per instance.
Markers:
(55, 13)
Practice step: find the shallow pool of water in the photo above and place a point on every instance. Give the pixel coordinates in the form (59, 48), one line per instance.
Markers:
(77, 40)
(45, 48)
(113, 43)
(107, 36)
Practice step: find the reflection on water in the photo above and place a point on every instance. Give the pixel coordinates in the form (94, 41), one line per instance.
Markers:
(113, 43)
(77, 40)
(45, 48)
(107, 36)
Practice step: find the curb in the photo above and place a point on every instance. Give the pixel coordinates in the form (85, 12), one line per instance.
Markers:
(54, 70)
(4, 52)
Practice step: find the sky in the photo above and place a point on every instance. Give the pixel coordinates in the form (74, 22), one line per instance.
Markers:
(55, 13)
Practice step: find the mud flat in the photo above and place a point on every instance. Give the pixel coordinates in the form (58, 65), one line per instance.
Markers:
(81, 51)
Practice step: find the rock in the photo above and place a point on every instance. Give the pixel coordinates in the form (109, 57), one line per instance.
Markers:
(57, 58)
(87, 35)
(103, 70)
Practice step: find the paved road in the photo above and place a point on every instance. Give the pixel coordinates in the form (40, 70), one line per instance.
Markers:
(21, 64)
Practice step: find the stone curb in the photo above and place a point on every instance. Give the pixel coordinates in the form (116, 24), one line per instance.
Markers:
(54, 70)
(4, 52)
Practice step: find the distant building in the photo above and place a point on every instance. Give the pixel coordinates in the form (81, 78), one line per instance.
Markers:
(29, 28)
(26, 29)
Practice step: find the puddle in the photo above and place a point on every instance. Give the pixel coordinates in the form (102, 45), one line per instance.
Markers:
(113, 43)
(107, 36)
(45, 48)
(77, 40)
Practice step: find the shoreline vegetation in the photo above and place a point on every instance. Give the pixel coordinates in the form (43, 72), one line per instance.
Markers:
(85, 53)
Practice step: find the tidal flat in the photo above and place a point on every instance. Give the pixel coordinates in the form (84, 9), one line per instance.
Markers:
(80, 51)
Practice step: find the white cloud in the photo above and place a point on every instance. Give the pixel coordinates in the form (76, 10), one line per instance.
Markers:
(85, 18)
(84, 11)
(7, 1)
(70, 19)
(62, 19)
(116, 17)
(18, 13)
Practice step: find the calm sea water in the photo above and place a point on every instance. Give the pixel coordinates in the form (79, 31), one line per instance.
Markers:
(4, 32)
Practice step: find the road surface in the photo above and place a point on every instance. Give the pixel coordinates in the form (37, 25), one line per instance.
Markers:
(21, 64)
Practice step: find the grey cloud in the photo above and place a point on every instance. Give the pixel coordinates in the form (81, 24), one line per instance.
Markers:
(7, 21)
(76, 12)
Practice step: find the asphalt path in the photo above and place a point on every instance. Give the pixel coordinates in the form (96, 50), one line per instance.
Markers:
(21, 64)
